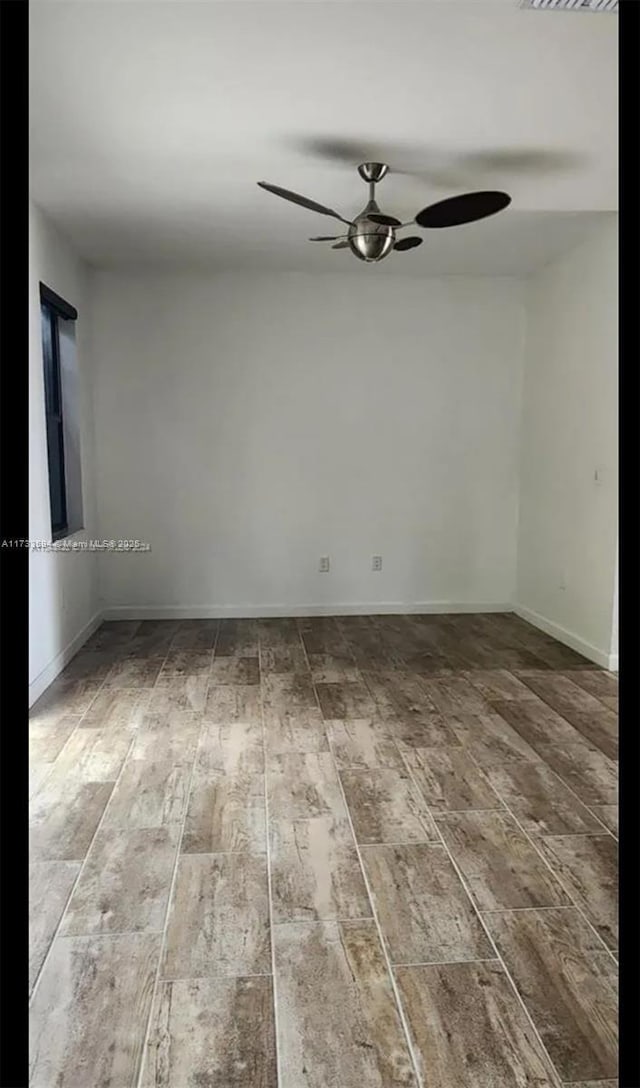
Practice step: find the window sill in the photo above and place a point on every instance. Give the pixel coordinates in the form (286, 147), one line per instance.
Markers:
(75, 534)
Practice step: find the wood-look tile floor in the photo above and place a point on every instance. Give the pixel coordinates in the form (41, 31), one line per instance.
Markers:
(360, 852)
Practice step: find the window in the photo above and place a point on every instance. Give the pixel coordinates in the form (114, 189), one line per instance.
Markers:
(62, 415)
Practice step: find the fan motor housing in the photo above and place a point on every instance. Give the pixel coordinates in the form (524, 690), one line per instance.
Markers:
(370, 241)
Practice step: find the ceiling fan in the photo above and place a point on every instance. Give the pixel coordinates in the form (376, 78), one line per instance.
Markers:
(371, 235)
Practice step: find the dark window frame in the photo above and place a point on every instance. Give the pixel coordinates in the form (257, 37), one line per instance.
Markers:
(53, 308)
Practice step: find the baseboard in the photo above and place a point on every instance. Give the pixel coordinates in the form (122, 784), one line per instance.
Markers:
(363, 608)
(50, 671)
(601, 657)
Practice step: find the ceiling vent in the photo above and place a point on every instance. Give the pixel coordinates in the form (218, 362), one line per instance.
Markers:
(610, 6)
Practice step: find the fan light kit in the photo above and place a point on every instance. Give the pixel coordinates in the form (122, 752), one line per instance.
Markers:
(371, 235)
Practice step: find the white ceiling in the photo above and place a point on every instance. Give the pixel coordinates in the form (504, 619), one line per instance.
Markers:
(152, 121)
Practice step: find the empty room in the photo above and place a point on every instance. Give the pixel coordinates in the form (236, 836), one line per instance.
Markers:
(323, 558)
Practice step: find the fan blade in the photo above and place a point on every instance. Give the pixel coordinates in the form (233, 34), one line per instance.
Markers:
(408, 243)
(533, 161)
(295, 198)
(462, 209)
(335, 149)
(435, 164)
(385, 220)
(341, 245)
(328, 238)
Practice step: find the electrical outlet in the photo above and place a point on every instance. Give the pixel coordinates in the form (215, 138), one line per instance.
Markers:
(376, 562)
(323, 565)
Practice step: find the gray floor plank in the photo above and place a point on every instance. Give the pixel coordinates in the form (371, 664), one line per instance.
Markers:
(213, 1032)
(90, 1011)
(124, 885)
(568, 984)
(469, 1028)
(588, 867)
(500, 866)
(542, 803)
(424, 912)
(219, 918)
(226, 813)
(450, 780)
(385, 806)
(337, 1020)
(50, 884)
(315, 871)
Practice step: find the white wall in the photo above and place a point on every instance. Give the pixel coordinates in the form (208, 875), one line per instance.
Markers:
(62, 587)
(614, 622)
(246, 425)
(567, 538)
